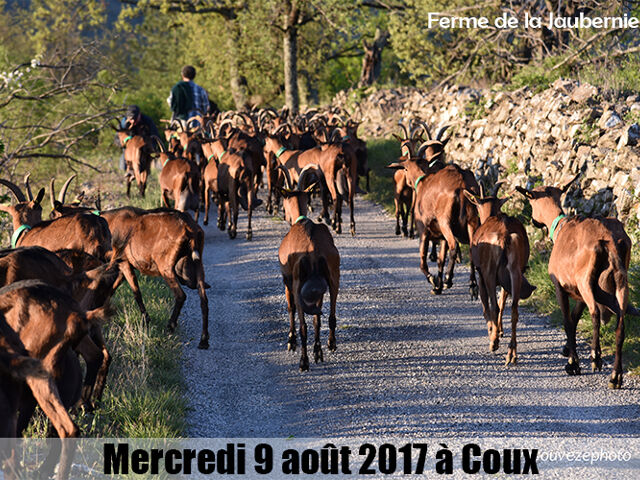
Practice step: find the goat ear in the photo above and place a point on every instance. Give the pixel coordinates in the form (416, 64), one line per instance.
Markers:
(524, 192)
(395, 166)
(470, 196)
(39, 197)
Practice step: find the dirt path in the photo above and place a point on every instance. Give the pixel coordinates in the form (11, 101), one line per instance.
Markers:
(408, 363)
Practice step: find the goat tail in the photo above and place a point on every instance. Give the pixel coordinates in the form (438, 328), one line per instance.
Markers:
(20, 367)
(617, 303)
(342, 184)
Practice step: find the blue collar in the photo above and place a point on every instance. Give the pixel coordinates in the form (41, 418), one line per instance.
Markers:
(299, 219)
(16, 235)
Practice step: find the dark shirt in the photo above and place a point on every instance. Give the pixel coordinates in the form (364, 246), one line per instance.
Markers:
(181, 100)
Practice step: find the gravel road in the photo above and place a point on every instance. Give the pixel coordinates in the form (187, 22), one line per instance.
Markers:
(408, 363)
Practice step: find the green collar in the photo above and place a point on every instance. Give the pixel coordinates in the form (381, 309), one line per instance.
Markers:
(174, 135)
(210, 157)
(124, 142)
(221, 155)
(345, 138)
(16, 235)
(405, 150)
(299, 219)
(165, 162)
(554, 225)
(280, 151)
(420, 178)
(96, 212)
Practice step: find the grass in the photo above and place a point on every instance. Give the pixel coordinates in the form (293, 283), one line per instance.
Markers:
(144, 389)
(381, 152)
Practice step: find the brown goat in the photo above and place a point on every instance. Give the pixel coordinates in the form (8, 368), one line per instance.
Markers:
(138, 155)
(17, 371)
(180, 181)
(310, 263)
(500, 252)
(162, 243)
(589, 263)
(442, 211)
(78, 231)
(91, 289)
(210, 181)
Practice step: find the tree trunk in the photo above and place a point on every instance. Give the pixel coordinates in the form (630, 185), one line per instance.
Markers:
(372, 60)
(290, 45)
(237, 83)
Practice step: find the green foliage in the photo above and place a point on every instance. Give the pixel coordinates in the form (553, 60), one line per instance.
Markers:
(618, 77)
(475, 109)
(382, 152)
(538, 77)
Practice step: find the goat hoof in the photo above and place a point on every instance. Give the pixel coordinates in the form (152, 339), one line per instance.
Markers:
(448, 283)
(304, 364)
(204, 344)
(493, 346)
(397, 230)
(565, 350)
(205, 222)
(332, 345)
(249, 235)
(232, 234)
(473, 292)
(291, 344)
(432, 257)
(511, 358)
(615, 382)
(572, 369)
(317, 353)
(596, 364)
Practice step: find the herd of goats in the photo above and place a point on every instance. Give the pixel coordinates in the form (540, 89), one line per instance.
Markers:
(59, 274)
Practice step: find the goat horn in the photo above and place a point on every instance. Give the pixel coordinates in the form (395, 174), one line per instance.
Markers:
(287, 177)
(566, 187)
(14, 189)
(481, 190)
(28, 187)
(496, 188)
(404, 130)
(65, 187)
(310, 169)
(425, 129)
(159, 143)
(441, 132)
(52, 192)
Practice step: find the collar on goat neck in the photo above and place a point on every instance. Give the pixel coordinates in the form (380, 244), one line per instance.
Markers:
(300, 218)
(554, 225)
(280, 151)
(221, 155)
(96, 212)
(18, 233)
(165, 162)
(420, 178)
(126, 139)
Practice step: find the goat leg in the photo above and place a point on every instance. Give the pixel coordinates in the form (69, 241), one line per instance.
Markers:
(396, 202)
(130, 277)
(96, 336)
(424, 244)
(333, 297)
(317, 347)
(573, 365)
(92, 356)
(251, 193)
(596, 352)
(453, 254)
(179, 296)
(616, 376)
(204, 307)
(502, 302)
(516, 283)
(304, 357)
(291, 306)
(207, 204)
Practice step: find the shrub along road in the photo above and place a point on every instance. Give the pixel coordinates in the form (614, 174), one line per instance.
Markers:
(408, 362)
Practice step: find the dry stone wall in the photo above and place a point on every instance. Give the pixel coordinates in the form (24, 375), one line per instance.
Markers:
(528, 138)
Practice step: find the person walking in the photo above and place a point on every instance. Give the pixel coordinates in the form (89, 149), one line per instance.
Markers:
(187, 98)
